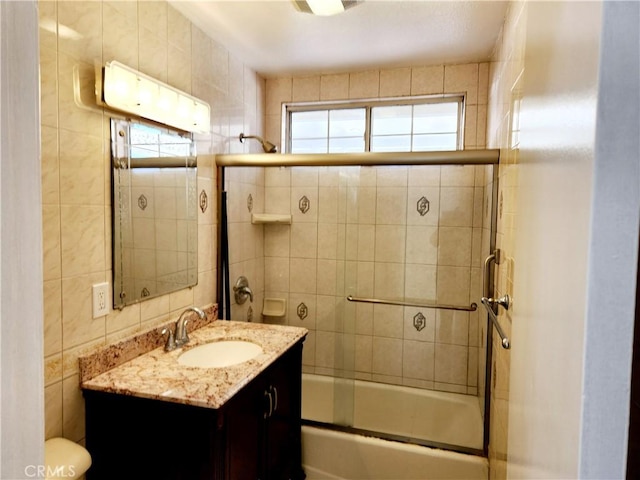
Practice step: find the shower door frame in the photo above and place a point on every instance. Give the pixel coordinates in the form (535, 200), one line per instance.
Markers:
(437, 158)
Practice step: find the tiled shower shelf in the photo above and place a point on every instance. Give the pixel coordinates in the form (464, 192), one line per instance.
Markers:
(281, 219)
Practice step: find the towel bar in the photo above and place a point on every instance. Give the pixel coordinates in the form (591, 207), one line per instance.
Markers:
(488, 304)
(470, 308)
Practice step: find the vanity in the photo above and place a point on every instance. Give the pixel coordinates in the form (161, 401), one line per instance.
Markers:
(157, 416)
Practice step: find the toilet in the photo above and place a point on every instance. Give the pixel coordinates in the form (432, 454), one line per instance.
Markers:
(65, 459)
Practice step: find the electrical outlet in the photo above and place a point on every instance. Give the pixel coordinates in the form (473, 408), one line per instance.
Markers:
(100, 299)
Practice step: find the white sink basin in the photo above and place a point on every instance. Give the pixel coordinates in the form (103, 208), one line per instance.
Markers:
(223, 353)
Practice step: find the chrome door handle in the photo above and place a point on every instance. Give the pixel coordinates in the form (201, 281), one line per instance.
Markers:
(268, 414)
(504, 301)
(490, 303)
(494, 257)
(275, 398)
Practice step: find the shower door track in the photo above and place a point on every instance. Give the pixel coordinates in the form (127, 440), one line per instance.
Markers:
(394, 438)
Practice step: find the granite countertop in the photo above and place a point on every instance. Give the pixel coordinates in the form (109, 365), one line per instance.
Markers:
(158, 375)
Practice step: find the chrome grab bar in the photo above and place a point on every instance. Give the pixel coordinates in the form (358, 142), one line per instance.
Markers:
(470, 308)
(488, 304)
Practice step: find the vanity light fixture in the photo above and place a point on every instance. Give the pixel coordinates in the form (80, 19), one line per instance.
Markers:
(324, 7)
(128, 90)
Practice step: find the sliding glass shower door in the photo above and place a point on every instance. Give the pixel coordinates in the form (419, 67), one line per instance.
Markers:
(411, 240)
(383, 265)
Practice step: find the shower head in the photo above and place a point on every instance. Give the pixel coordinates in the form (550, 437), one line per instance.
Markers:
(268, 147)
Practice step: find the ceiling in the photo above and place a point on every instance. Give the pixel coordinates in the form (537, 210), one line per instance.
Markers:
(275, 39)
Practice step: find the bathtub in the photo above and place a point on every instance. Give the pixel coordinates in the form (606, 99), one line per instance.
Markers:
(435, 416)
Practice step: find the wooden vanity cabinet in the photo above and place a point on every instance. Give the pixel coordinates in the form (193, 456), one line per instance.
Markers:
(255, 435)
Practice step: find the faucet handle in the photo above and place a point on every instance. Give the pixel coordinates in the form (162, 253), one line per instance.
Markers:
(241, 290)
(171, 342)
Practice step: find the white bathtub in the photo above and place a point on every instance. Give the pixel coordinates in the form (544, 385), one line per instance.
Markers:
(435, 416)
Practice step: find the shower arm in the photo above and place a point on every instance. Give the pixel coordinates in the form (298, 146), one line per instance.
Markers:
(267, 147)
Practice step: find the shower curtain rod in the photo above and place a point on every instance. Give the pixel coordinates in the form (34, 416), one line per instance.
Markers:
(454, 157)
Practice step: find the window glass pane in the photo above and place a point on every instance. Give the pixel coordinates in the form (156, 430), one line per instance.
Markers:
(346, 145)
(309, 145)
(435, 118)
(442, 141)
(395, 119)
(309, 124)
(347, 122)
(146, 141)
(419, 127)
(391, 143)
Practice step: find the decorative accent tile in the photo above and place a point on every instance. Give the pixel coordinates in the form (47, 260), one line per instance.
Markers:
(419, 321)
(204, 201)
(302, 311)
(423, 206)
(250, 203)
(145, 292)
(304, 204)
(142, 202)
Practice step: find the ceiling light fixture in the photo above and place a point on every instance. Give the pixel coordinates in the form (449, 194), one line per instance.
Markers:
(324, 7)
(125, 89)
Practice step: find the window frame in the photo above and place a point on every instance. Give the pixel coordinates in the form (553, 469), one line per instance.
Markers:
(368, 104)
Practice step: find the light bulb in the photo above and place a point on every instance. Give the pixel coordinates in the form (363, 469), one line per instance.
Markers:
(326, 7)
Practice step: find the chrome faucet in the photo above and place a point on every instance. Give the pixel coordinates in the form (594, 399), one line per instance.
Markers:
(181, 337)
(181, 325)
(241, 290)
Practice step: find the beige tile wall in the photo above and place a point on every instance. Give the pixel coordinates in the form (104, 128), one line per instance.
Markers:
(363, 235)
(245, 194)
(370, 241)
(506, 77)
(154, 38)
(470, 79)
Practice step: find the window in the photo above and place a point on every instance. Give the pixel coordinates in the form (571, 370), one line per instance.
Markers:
(425, 124)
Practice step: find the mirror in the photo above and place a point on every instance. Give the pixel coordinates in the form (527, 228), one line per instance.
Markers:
(154, 211)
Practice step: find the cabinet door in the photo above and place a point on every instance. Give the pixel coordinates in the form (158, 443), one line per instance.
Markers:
(244, 419)
(282, 439)
(131, 437)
